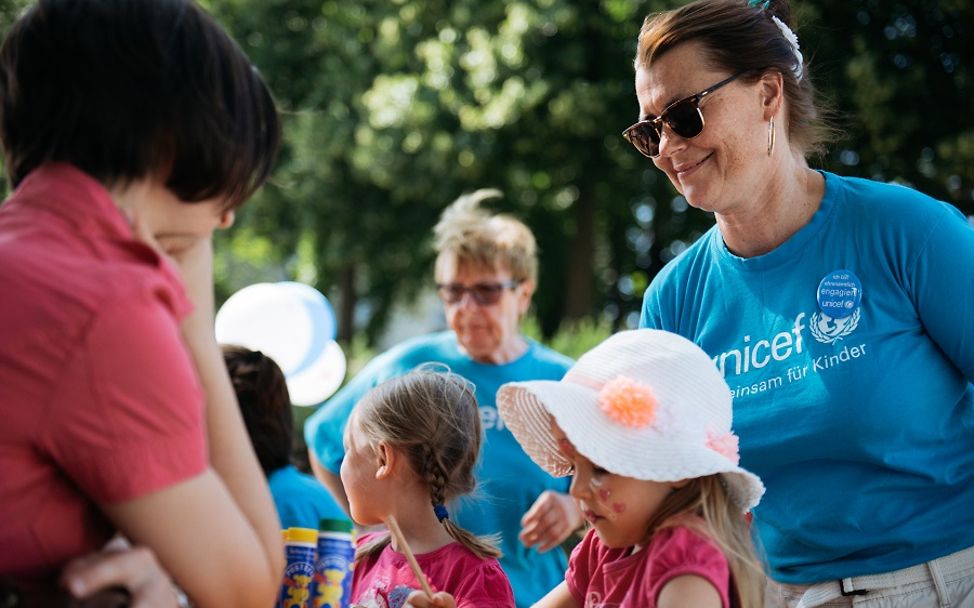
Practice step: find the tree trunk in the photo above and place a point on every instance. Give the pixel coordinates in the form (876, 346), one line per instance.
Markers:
(346, 314)
(579, 282)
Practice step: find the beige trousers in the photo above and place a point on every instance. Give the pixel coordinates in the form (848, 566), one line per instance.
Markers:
(946, 582)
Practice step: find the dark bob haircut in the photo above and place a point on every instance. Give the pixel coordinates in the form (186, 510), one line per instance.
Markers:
(127, 89)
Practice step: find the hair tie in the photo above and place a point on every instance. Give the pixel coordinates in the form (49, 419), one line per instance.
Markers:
(788, 33)
(792, 39)
(441, 512)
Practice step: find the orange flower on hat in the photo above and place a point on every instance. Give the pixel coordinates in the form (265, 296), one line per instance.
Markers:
(628, 402)
(725, 444)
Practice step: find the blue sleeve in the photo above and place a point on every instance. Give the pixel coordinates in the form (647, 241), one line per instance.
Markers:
(943, 288)
(650, 316)
(661, 297)
(324, 430)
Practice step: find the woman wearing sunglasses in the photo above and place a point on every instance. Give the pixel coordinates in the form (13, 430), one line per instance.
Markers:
(838, 310)
(486, 271)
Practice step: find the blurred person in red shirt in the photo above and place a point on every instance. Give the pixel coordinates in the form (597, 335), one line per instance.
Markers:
(131, 130)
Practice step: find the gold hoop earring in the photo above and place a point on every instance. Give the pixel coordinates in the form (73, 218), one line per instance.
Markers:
(771, 136)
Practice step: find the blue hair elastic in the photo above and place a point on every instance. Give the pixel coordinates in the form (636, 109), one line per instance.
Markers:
(441, 512)
(762, 3)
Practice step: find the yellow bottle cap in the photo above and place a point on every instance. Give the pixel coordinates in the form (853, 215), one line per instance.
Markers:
(302, 535)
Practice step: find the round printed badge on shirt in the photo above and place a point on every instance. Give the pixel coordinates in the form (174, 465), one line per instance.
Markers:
(839, 293)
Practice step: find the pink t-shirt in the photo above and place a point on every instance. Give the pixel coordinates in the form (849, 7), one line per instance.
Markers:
(385, 580)
(600, 577)
(99, 400)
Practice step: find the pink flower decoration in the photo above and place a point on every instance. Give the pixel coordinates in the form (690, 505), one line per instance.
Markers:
(725, 444)
(628, 402)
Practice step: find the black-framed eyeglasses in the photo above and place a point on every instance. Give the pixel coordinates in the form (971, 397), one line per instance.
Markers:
(683, 117)
(483, 294)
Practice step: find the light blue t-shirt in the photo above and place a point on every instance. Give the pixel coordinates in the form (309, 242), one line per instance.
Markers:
(509, 480)
(861, 426)
(301, 500)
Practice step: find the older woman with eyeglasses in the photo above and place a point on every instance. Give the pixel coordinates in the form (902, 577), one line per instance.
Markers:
(486, 270)
(838, 309)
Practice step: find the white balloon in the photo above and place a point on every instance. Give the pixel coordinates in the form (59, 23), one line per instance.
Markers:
(321, 379)
(293, 324)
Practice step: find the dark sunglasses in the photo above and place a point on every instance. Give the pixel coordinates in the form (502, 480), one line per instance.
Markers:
(483, 294)
(683, 117)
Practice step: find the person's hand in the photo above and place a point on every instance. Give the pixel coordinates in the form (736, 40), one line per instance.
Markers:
(195, 264)
(440, 599)
(550, 520)
(134, 569)
(193, 259)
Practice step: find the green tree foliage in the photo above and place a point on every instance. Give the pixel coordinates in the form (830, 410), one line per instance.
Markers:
(9, 9)
(900, 72)
(393, 108)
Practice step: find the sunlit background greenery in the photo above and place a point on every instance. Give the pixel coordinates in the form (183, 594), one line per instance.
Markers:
(392, 108)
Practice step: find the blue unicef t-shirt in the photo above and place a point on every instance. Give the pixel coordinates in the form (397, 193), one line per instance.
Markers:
(860, 422)
(301, 500)
(509, 481)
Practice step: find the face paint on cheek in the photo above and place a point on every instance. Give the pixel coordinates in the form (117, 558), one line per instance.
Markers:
(604, 494)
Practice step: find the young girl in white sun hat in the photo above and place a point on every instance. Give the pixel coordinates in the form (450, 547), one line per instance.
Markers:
(643, 423)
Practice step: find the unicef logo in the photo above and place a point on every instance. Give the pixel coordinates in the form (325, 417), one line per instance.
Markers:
(828, 330)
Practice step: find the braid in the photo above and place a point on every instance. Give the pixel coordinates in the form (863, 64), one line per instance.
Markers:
(438, 478)
(482, 546)
(434, 475)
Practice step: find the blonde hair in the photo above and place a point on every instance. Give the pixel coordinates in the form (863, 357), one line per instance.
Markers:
(723, 523)
(467, 234)
(744, 40)
(431, 415)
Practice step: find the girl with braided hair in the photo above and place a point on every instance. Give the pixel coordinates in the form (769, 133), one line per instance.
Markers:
(411, 445)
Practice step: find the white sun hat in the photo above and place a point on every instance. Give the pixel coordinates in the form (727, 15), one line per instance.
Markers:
(646, 404)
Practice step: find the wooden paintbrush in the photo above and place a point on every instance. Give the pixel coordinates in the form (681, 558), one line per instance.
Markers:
(393, 526)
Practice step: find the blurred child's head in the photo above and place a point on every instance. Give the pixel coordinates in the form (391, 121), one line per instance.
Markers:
(429, 419)
(265, 404)
(644, 422)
